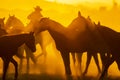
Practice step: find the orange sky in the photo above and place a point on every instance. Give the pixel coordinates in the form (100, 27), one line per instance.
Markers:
(81, 1)
(27, 4)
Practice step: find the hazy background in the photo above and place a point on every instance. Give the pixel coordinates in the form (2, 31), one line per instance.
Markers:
(64, 11)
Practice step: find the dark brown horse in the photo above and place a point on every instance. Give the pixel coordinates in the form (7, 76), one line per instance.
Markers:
(76, 39)
(9, 47)
(2, 30)
(112, 38)
(43, 39)
(78, 24)
(100, 45)
(14, 25)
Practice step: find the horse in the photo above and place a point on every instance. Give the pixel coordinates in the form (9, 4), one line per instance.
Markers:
(101, 46)
(77, 24)
(112, 38)
(15, 26)
(9, 47)
(77, 40)
(2, 30)
(34, 17)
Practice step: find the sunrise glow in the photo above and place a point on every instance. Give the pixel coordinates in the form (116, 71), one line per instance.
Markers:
(64, 11)
(82, 1)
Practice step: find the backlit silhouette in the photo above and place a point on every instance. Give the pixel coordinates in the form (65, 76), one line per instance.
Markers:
(43, 39)
(79, 25)
(2, 30)
(9, 47)
(79, 39)
(65, 43)
(112, 38)
(15, 26)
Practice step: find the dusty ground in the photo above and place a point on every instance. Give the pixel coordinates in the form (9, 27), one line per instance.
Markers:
(53, 77)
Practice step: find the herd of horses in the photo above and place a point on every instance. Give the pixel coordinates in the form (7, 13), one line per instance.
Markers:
(82, 35)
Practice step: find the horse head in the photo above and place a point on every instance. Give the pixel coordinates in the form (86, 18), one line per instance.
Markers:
(14, 25)
(78, 23)
(2, 22)
(30, 42)
(10, 21)
(42, 25)
(100, 27)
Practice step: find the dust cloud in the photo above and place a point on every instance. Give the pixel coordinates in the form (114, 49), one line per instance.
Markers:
(108, 15)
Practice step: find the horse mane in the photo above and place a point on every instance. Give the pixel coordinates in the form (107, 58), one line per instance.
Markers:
(17, 22)
(110, 32)
(79, 23)
(56, 26)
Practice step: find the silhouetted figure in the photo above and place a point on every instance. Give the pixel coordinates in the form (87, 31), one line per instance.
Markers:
(112, 38)
(90, 26)
(77, 40)
(13, 25)
(9, 47)
(34, 17)
(2, 30)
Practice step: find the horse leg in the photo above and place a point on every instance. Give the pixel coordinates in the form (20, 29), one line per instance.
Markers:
(107, 64)
(44, 52)
(74, 61)
(43, 46)
(96, 61)
(79, 59)
(16, 68)
(104, 59)
(89, 56)
(28, 67)
(66, 61)
(73, 57)
(6, 62)
(21, 64)
(30, 54)
(21, 53)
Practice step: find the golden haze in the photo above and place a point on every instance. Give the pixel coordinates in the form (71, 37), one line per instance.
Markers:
(99, 10)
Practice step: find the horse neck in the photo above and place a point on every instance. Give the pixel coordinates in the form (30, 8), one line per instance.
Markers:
(79, 23)
(57, 31)
(20, 39)
(2, 32)
(18, 22)
(56, 27)
(109, 34)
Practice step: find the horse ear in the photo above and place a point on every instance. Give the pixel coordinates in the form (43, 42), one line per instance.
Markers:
(13, 15)
(32, 33)
(3, 18)
(98, 23)
(9, 15)
(94, 23)
(88, 18)
(79, 13)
